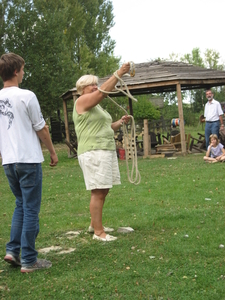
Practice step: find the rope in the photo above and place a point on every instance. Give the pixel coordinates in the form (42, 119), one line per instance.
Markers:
(133, 151)
(133, 177)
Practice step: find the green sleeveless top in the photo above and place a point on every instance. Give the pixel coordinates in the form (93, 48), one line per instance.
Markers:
(93, 130)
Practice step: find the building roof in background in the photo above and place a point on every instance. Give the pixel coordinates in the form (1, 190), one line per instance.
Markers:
(163, 76)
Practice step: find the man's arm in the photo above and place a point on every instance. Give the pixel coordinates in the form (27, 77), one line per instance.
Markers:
(221, 121)
(44, 136)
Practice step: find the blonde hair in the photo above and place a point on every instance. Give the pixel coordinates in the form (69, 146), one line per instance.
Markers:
(214, 136)
(85, 81)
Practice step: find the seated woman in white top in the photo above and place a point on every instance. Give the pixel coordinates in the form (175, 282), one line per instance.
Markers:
(215, 151)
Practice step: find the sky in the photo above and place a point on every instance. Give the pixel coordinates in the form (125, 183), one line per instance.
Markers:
(145, 30)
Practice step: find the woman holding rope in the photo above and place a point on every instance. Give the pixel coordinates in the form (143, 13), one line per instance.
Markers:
(96, 145)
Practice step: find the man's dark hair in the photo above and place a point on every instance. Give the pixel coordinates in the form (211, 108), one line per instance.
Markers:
(9, 63)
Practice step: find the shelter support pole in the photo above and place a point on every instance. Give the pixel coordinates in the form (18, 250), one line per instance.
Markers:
(66, 123)
(181, 117)
(130, 107)
(146, 139)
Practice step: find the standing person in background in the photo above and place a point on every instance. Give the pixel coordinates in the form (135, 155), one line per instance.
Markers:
(96, 145)
(213, 115)
(21, 127)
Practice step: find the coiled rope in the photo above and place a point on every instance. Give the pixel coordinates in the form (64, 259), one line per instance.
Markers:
(133, 176)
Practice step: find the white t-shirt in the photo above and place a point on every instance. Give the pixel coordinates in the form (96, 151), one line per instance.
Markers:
(212, 111)
(216, 151)
(20, 118)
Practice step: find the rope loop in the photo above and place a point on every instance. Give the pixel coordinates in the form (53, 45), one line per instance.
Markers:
(132, 69)
(130, 147)
(130, 142)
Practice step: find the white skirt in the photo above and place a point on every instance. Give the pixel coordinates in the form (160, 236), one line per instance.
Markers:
(100, 169)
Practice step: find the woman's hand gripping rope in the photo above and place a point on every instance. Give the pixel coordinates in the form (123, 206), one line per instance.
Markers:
(132, 69)
(122, 83)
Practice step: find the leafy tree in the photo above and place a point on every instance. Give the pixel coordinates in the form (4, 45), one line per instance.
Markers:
(194, 58)
(116, 111)
(60, 40)
(144, 109)
(34, 31)
(3, 6)
(211, 60)
(88, 36)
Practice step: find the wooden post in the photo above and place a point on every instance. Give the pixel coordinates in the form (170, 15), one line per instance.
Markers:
(146, 139)
(149, 145)
(66, 124)
(181, 117)
(130, 107)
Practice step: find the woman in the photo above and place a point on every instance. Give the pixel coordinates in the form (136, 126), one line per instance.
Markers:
(215, 151)
(96, 145)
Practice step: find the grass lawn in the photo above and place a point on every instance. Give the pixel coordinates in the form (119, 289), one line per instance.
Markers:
(177, 213)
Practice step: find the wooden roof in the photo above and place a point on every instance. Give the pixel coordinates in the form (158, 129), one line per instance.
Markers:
(163, 76)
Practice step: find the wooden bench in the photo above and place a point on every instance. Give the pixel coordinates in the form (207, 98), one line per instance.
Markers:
(176, 140)
(198, 144)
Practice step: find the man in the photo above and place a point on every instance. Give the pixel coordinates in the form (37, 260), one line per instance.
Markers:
(21, 127)
(213, 114)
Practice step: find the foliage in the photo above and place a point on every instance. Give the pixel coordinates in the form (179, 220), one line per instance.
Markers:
(144, 109)
(177, 213)
(60, 41)
(211, 60)
(3, 4)
(116, 110)
(171, 112)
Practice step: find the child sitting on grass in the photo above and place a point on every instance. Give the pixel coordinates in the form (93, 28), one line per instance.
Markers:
(215, 151)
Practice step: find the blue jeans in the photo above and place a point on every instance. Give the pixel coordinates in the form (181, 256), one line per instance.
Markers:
(211, 128)
(25, 181)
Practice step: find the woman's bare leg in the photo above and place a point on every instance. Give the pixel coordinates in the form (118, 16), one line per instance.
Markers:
(96, 207)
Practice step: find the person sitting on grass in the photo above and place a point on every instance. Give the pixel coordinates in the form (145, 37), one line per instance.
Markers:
(215, 151)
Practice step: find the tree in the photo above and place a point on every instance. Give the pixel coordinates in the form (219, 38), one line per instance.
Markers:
(60, 40)
(144, 109)
(3, 6)
(88, 33)
(211, 60)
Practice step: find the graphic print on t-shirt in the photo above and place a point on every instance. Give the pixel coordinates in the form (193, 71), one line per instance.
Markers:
(4, 105)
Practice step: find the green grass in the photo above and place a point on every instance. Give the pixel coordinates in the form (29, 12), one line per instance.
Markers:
(156, 261)
(194, 130)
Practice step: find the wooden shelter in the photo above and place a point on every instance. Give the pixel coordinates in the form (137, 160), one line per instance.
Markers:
(158, 77)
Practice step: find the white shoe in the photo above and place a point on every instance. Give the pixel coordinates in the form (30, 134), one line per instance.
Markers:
(108, 238)
(106, 229)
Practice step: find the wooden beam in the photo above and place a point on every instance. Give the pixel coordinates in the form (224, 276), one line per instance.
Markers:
(66, 123)
(75, 96)
(140, 88)
(162, 84)
(130, 107)
(146, 139)
(181, 117)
